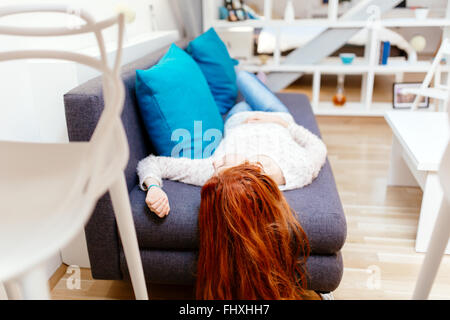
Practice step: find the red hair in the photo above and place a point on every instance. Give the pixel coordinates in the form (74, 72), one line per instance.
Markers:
(251, 244)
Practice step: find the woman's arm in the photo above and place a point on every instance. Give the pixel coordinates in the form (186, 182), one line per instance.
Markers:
(191, 171)
(153, 169)
(315, 148)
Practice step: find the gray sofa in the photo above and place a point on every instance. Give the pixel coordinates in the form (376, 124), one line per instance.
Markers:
(168, 246)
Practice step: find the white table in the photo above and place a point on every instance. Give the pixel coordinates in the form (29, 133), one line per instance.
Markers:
(418, 144)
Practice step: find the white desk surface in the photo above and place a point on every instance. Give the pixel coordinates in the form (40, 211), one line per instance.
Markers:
(423, 135)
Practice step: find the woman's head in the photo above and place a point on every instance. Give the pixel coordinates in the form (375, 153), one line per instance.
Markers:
(251, 245)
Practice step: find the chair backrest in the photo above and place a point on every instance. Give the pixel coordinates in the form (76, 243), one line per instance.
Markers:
(434, 71)
(109, 133)
(67, 178)
(444, 49)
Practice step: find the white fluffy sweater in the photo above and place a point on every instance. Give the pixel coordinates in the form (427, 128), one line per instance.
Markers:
(299, 153)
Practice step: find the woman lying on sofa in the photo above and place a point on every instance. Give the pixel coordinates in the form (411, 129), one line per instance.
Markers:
(263, 133)
(260, 250)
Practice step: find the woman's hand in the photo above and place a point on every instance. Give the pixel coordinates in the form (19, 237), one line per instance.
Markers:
(266, 118)
(157, 201)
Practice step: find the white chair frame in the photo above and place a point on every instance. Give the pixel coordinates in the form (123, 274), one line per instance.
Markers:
(99, 169)
(439, 92)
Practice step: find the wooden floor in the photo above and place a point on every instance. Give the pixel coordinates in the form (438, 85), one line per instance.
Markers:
(379, 257)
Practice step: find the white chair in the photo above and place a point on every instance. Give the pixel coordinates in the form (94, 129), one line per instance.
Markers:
(440, 235)
(48, 191)
(438, 92)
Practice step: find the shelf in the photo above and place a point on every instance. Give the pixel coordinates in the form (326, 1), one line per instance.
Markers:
(368, 67)
(411, 22)
(377, 109)
(333, 65)
(388, 23)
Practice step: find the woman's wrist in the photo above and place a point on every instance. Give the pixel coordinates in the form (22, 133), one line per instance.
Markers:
(153, 185)
(151, 182)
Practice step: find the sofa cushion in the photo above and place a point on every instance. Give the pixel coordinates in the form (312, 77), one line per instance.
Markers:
(212, 56)
(318, 204)
(175, 102)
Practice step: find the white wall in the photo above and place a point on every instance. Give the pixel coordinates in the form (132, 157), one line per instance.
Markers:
(18, 114)
(31, 107)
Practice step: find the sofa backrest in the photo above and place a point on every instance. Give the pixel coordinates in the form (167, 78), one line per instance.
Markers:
(84, 105)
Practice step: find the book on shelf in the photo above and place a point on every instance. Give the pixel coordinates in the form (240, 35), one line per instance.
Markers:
(385, 51)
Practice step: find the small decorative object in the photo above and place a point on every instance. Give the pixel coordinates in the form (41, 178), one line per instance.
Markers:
(223, 13)
(251, 13)
(418, 42)
(263, 59)
(128, 12)
(421, 13)
(347, 58)
(289, 12)
(402, 100)
(236, 11)
(339, 99)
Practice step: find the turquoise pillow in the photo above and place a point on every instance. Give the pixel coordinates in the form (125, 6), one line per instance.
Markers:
(177, 107)
(212, 56)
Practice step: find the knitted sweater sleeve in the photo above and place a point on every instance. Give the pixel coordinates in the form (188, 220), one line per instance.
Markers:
(190, 171)
(315, 154)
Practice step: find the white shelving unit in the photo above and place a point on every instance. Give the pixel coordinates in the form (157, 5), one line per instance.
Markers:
(387, 23)
(367, 66)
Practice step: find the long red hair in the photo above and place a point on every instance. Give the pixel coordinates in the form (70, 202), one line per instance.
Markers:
(251, 244)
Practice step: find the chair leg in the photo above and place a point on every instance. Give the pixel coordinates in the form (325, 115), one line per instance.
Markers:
(435, 252)
(12, 290)
(127, 231)
(34, 284)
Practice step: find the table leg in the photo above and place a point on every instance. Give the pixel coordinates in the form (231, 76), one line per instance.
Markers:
(431, 203)
(399, 173)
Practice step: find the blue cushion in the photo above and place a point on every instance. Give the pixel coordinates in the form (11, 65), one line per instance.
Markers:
(211, 54)
(173, 95)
